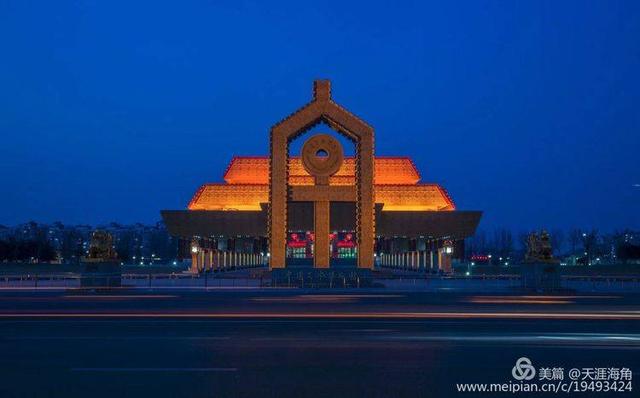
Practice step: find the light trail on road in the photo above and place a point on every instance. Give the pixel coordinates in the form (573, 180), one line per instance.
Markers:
(335, 315)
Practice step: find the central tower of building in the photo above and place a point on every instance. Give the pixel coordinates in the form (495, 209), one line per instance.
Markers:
(322, 157)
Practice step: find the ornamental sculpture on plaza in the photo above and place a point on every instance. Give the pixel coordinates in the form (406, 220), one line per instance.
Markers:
(321, 109)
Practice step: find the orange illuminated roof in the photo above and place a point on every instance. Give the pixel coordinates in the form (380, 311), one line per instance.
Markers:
(396, 185)
(420, 197)
(388, 171)
(229, 197)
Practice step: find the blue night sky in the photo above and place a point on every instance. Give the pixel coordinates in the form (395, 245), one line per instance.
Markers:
(527, 110)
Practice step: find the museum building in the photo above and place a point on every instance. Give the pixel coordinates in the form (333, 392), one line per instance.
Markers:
(322, 209)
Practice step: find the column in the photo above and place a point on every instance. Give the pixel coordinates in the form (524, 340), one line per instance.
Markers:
(205, 259)
(194, 261)
(321, 230)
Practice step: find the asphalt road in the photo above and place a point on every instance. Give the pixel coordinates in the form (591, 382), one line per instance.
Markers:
(295, 343)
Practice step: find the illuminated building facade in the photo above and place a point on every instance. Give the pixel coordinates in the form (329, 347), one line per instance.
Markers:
(322, 209)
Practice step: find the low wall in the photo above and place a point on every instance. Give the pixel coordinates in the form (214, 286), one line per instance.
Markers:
(578, 270)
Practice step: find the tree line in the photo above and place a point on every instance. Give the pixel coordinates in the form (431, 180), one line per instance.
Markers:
(586, 246)
(34, 242)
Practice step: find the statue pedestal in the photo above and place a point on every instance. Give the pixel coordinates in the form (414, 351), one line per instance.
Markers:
(540, 276)
(100, 274)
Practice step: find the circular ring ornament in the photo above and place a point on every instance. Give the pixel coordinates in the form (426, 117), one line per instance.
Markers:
(322, 155)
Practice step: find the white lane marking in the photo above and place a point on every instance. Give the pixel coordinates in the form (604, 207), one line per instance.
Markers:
(118, 338)
(154, 369)
(528, 338)
(118, 296)
(620, 315)
(365, 330)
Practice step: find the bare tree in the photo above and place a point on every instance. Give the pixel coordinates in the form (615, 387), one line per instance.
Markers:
(590, 241)
(575, 238)
(503, 242)
(523, 239)
(557, 241)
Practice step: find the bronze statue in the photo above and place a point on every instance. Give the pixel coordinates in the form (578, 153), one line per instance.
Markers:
(101, 247)
(539, 248)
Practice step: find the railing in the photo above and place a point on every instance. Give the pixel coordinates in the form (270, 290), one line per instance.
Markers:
(212, 260)
(257, 278)
(421, 281)
(415, 260)
(131, 280)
